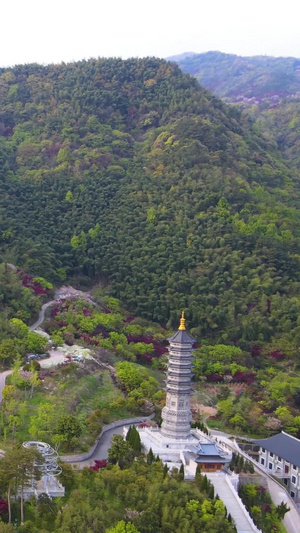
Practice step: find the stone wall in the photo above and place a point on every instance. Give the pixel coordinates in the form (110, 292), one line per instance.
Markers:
(257, 479)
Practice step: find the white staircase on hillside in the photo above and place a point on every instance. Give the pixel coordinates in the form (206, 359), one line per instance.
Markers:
(234, 505)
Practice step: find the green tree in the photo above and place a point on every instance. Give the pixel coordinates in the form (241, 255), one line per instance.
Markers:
(16, 378)
(130, 376)
(120, 451)
(281, 510)
(207, 357)
(123, 527)
(8, 349)
(43, 424)
(69, 197)
(198, 475)
(69, 427)
(238, 421)
(134, 439)
(181, 472)
(34, 382)
(18, 468)
(35, 343)
(150, 457)
(8, 392)
(226, 407)
(6, 528)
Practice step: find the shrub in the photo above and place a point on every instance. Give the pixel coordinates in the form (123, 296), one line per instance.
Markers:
(32, 366)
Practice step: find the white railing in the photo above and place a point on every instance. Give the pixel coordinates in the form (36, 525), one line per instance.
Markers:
(198, 432)
(241, 505)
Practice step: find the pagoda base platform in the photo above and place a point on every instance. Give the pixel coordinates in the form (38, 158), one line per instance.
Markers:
(198, 448)
(169, 450)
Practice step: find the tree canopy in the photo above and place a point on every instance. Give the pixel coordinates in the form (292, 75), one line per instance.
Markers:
(130, 171)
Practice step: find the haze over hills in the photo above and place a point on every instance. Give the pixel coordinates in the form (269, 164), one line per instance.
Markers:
(267, 89)
(181, 57)
(129, 171)
(247, 80)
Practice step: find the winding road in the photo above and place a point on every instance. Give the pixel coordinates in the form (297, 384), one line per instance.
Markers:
(101, 452)
(41, 318)
(103, 445)
(34, 327)
(3, 377)
(61, 294)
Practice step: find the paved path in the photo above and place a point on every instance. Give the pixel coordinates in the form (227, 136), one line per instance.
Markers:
(102, 444)
(230, 499)
(3, 377)
(61, 294)
(41, 318)
(55, 356)
(101, 451)
(291, 520)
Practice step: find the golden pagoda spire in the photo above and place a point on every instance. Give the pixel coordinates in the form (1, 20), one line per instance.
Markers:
(182, 322)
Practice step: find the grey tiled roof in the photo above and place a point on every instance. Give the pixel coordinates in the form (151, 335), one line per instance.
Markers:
(283, 445)
(210, 459)
(207, 452)
(182, 337)
(209, 449)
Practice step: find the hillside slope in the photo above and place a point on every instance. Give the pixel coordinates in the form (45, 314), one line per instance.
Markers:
(247, 80)
(266, 88)
(130, 171)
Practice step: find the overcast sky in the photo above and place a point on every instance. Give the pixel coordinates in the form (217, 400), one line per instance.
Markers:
(52, 31)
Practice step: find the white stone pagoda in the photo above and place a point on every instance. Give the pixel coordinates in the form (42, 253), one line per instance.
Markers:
(176, 414)
(175, 442)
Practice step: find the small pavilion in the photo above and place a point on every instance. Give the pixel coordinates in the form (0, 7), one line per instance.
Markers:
(208, 455)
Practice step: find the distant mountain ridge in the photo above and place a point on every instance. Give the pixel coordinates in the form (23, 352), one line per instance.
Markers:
(249, 80)
(181, 57)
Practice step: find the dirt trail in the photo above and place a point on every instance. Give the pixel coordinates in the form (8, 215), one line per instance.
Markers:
(62, 293)
(67, 291)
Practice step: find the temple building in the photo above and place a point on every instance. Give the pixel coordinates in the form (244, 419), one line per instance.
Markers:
(175, 442)
(209, 456)
(279, 455)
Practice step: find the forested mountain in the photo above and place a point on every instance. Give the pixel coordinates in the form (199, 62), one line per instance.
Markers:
(266, 88)
(281, 124)
(247, 80)
(130, 171)
(20, 301)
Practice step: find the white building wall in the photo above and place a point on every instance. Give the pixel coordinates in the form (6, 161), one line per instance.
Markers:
(279, 467)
